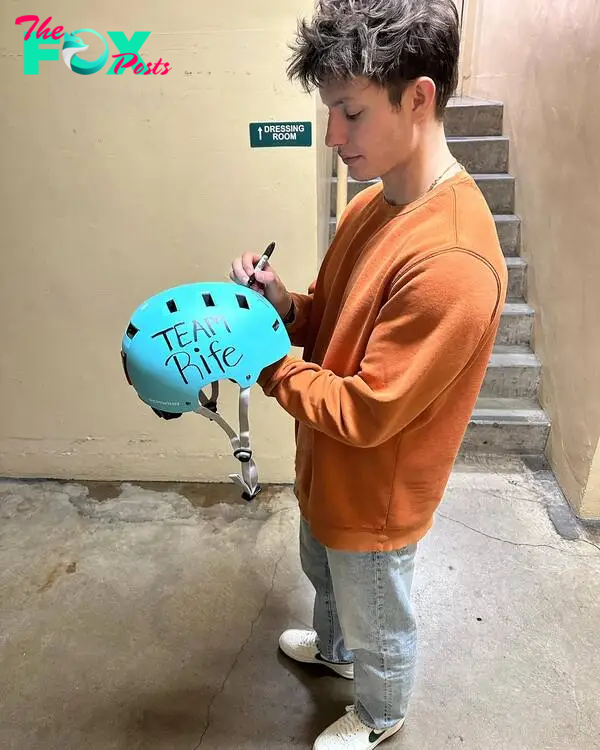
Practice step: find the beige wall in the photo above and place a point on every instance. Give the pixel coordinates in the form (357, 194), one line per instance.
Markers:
(542, 60)
(116, 187)
(591, 499)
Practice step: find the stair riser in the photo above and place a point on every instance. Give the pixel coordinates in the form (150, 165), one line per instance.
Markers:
(499, 193)
(505, 438)
(509, 234)
(473, 120)
(481, 156)
(517, 282)
(511, 382)
(515, 329)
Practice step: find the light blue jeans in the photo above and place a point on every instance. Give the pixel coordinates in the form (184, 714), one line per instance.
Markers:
(363, 614)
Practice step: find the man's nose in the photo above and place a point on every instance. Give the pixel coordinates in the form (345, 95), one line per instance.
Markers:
(336, 135)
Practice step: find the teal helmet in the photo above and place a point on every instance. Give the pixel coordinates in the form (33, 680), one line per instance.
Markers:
(188, 337)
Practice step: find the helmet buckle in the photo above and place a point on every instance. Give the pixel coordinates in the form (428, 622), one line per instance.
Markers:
(243, 454)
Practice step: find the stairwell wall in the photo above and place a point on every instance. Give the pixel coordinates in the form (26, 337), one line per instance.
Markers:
(542, 61)
(116, 187)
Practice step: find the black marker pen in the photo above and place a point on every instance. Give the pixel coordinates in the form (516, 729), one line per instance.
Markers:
(264, 259)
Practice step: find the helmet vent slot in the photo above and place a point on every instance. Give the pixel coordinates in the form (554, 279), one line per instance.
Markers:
(131, 330)
(242, 301)
(276, 325)
(171, 304)
(208, 300)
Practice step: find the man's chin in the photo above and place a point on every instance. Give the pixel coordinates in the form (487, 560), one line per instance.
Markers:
(360, 172)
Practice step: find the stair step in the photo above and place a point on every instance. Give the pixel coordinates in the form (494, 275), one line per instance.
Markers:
(470, 116)
(513, 372)
(498, 190)
(507, 426)
(517, 278)
(516, 324)
(480, 154)
(508, 228)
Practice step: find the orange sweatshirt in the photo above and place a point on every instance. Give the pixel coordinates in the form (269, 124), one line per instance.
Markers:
(397, 332)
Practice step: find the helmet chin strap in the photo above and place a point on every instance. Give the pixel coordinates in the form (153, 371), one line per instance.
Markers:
(207, 407)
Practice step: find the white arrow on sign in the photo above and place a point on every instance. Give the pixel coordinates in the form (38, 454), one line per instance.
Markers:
(260, 134)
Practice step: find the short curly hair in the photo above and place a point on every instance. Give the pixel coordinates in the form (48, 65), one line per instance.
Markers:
(390, 42)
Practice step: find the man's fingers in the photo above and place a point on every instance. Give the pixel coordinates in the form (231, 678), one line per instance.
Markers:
(249, 260)
(265, 277)
(238, 272)
(243, 267)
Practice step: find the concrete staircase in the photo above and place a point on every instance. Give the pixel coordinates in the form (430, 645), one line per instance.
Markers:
(508, 417)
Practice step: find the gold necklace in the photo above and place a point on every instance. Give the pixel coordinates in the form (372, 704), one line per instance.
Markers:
(433, 184)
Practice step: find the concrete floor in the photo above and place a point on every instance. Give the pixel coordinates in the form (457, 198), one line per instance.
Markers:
(137, 617)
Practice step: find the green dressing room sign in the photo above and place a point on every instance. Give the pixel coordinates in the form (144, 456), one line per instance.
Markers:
(271, 134)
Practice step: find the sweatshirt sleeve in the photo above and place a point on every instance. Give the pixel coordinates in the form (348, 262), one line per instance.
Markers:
(433, 322)
(297, 329)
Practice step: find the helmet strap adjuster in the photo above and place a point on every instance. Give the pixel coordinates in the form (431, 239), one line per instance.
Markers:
(243, 454)
(247, 480)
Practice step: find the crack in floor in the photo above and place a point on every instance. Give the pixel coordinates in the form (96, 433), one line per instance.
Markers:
(242, 648)
(515, 544)
(587, 541)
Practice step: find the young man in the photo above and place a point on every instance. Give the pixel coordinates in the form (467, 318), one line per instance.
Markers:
(397, 332)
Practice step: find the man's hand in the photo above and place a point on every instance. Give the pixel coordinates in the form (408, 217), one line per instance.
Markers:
(267, 283)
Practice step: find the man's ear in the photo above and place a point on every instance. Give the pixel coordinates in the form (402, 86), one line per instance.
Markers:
(421, 97)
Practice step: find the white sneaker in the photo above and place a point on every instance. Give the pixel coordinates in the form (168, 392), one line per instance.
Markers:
(349, 733)
(301, 645)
